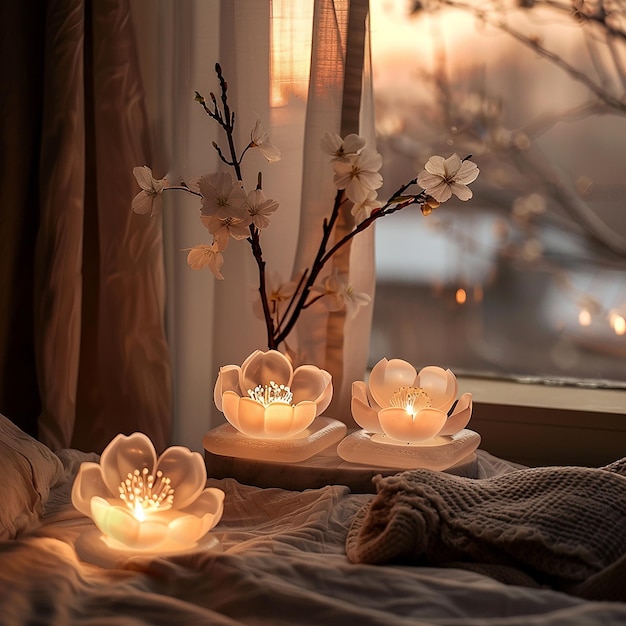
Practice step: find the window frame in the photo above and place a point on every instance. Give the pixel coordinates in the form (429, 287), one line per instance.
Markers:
(538, 424)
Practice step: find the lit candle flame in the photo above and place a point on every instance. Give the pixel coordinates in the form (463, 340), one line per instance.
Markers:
(139, 512)
(141, 491)
(411, 399)
(272, 393)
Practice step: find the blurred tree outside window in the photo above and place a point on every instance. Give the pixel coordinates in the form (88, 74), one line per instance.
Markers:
(526, 280)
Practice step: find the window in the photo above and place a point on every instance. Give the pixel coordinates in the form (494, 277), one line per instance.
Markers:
(526, 281)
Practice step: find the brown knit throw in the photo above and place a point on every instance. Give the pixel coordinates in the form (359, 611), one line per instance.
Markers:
(561, 527)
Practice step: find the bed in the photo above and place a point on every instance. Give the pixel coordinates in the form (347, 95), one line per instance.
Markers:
(276, 557)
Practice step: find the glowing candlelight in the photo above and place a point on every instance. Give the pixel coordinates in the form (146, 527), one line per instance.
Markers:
(139, 512)
(409, 419)
(269, 394)
(163, 506)
(411, 399)
(409, 406)
(140, 492)
(265, 398)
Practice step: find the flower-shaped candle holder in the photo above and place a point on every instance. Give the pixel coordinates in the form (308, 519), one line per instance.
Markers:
(273, 411)
(409, 419)
(145, 503)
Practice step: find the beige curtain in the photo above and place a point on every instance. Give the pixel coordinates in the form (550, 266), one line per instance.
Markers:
(82, 346)
(83, 353)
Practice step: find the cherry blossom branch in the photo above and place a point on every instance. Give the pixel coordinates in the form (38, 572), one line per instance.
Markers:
(255, 243)
(581, 13)
(323, 255)
(183, 187)
(390, 207)
(327, 229)
(228, 211)
(282, 319)
(226, 119)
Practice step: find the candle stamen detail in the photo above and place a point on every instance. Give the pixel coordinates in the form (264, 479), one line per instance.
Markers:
(272, 393)
(141, 491)
(411, 399)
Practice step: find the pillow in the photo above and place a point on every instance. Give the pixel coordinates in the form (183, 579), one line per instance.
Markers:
(27, 471)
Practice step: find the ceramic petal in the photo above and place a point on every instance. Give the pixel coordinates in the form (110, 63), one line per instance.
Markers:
(227, 380)
(261, 368)
(187, 472)
(460, 417)
(440, 385)
(401, 426)
(387, 377)
(314, 384)
(124, 455)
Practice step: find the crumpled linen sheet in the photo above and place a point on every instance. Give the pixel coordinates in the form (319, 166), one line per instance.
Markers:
(280, 561)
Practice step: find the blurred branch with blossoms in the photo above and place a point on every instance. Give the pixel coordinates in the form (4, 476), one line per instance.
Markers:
(228, 211)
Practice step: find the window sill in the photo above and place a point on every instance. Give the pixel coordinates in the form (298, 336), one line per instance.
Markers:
(537, 424)
(561, 397)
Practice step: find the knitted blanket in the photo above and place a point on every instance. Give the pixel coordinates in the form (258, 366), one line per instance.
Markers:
(560, 527)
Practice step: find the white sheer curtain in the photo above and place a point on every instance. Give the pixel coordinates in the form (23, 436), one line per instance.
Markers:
(340, 101)
(210, 323)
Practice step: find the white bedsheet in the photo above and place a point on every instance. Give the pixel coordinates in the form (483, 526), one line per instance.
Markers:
(279, 559)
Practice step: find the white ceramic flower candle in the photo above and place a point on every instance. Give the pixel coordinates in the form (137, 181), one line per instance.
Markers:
(408, 406)
(266, 398)
(142, 502)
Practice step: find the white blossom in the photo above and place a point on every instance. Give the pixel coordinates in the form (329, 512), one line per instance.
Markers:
(443, 177)
(259, 138)
(260, 208)
(203, 255)
(220, 194)
(359, 174)
(364, 209)
(341, 149)
(223, 229)
(149, 199)
(339, 293)
(279, 295)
